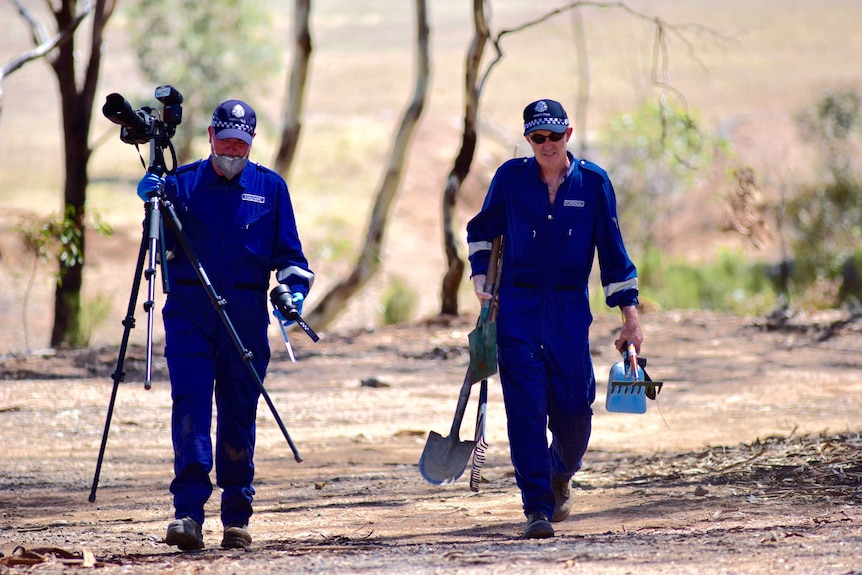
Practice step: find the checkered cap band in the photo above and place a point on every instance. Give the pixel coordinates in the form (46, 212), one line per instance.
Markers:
(546, 122)
(221, 125)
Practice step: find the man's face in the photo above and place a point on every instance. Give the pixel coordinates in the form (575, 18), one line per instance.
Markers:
(229, 146)
(547, 151)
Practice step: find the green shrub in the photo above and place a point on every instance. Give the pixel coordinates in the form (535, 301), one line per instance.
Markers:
(398, 302)
(730, 284)
(94, 312)
(824, 217)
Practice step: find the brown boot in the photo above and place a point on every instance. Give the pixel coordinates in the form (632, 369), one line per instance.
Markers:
(236, 537)
(562, 498)
(185, 533)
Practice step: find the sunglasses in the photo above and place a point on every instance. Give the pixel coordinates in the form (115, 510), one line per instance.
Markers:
(553, 136)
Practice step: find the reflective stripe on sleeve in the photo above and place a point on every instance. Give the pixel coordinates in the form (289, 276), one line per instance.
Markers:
(475, 247)
(613, 288)
(297, 271)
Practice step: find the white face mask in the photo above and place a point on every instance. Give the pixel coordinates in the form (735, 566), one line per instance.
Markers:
(229, 166)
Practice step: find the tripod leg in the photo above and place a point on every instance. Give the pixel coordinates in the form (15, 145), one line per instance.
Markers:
(155, 228)
(219, 303)
(119, 375)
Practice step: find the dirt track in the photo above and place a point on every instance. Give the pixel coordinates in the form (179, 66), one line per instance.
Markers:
(658, 493)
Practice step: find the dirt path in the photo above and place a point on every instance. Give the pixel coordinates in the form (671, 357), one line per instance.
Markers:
(750, 462)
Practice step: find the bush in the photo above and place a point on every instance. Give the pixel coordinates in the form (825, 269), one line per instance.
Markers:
(730, 284)
(399, 302)
(824, 218)
(94, 312)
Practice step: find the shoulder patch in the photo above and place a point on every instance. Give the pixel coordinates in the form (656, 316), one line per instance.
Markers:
(269, 173)
(188, 167)
(515, 162)
(262, 168)
(587, 165)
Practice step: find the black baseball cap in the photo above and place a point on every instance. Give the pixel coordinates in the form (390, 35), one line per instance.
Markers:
(545, 115)
(234, 119)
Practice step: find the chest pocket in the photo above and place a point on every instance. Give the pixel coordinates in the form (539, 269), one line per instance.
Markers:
(255, 223)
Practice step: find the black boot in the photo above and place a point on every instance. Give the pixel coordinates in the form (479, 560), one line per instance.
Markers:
(538, 526)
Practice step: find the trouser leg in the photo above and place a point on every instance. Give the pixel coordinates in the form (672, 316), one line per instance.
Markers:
(523, 376)
(237, 397)
(570, 419)
(191, 366)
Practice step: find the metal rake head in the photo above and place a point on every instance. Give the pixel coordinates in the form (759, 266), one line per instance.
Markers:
(649, 388)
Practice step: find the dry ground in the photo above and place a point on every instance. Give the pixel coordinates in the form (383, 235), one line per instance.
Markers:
(748, 463)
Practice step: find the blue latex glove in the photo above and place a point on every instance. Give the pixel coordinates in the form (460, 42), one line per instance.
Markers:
(149, 183)
(297, 299)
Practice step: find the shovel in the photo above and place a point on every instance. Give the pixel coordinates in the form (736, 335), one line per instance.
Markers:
(444, 459)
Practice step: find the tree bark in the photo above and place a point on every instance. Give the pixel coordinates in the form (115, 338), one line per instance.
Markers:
(369, 260)
(77, 106)
(296, 88)
(472, 92)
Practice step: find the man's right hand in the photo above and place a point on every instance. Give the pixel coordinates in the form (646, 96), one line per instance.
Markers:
(479, 288)
(150, 183)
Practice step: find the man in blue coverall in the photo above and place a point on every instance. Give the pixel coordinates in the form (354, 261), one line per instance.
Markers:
(239, 220)
(554, 213)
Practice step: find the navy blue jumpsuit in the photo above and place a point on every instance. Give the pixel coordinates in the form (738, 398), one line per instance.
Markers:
(241, 230)
(544, 316)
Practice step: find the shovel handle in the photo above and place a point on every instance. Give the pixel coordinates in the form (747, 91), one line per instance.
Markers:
(461, 407)
(492, 277)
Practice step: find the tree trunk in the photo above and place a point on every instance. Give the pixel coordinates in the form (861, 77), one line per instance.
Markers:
(369, 260)
(292, 122)
(44, 44)
(455, 269)
(583, 99)
(77, 107)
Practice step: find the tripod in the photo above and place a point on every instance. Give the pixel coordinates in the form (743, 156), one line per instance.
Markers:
(157, 205)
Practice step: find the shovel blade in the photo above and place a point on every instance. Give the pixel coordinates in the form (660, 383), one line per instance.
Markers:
(444, 459)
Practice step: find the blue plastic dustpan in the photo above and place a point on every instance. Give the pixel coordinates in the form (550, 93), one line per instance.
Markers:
(624, 394)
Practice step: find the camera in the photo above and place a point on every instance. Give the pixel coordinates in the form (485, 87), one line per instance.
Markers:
(145, 124)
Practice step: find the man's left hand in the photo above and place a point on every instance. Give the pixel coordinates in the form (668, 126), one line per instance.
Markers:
(631, 330)
(296, 299)
(148, 184)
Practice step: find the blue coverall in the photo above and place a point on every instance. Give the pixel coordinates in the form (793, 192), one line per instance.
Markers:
(544, 316)
(241, 230)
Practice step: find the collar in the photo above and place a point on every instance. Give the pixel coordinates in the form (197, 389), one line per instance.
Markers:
(572, 165)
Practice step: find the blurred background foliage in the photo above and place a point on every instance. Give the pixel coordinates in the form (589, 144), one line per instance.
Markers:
(655, 156)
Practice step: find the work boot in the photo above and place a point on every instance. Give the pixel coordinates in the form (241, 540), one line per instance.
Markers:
(562, 498)
(236, 536)
(185, 533)
(538, 526)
